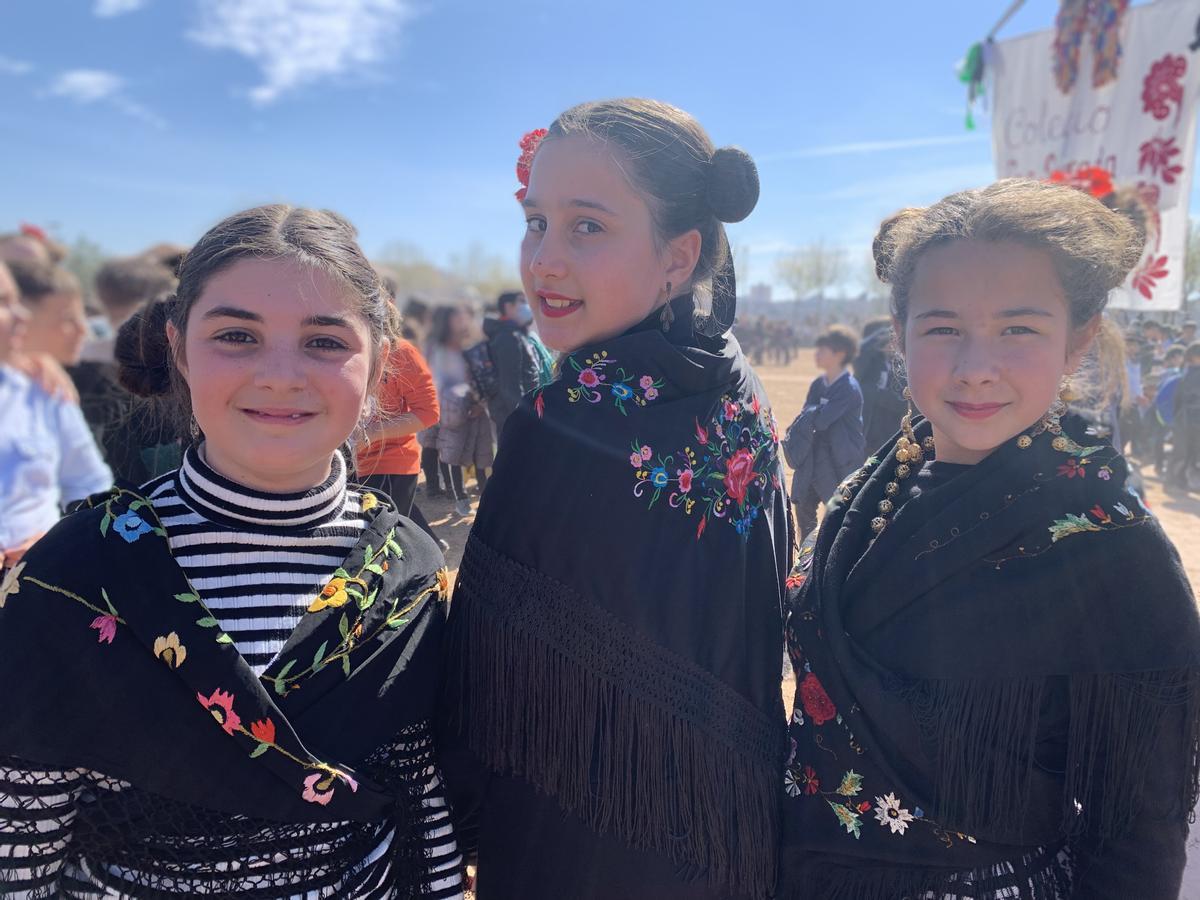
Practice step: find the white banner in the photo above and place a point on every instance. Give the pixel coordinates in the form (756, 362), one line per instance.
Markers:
(1118, 91)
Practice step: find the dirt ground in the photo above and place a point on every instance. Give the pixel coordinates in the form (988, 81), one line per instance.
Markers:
(786, 389)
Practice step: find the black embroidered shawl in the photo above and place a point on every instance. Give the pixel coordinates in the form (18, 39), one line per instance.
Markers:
(615, 633)
(112, 663)
(1011, 664)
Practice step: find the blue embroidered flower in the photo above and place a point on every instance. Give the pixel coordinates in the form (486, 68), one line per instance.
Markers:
(659, 477)
(622, 391)
(131, 526)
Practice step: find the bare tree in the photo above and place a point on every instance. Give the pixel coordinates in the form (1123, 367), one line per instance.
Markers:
(811, 269)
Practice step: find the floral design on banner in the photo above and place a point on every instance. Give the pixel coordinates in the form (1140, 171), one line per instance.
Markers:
(1094, 180)
(724, 473)
(1157, 155)
(595, 378)
(1161, 87)
(1147, 275)
(1101, 20)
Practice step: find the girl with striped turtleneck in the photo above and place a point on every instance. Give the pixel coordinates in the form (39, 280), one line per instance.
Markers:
(228, 677)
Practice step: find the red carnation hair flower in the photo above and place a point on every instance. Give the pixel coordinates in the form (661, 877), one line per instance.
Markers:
(34, 231)
(529, 144)
(1093, 180)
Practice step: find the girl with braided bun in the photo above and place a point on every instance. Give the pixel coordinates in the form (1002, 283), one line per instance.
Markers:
(996, 650)
(614, 645)
(227, 678)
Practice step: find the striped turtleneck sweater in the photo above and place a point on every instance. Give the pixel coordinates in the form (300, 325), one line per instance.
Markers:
(257, 559)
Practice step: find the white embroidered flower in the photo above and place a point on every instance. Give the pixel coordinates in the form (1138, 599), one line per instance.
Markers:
(10, 584)
(889, 813)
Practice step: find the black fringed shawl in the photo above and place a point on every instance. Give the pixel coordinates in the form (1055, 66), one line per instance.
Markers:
(111, 662)
(615, 633)
(1011, 664)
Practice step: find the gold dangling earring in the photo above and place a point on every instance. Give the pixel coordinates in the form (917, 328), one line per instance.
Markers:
(668, 315)
(908, 453)
(1051, 422)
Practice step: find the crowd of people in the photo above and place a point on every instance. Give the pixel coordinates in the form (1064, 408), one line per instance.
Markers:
(234, 666)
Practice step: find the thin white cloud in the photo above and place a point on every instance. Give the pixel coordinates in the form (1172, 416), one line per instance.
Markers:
(860, 147)
(97, 85)
(298, 42)
(106, 9)
(10, 66)
(86, 85)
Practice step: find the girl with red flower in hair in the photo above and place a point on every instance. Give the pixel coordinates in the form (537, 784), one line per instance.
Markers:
(615, 642)
(997, 653)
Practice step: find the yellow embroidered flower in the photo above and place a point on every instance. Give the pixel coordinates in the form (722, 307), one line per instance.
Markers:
(369, 501)
(333, 594)
(11, 585)
(170, 651)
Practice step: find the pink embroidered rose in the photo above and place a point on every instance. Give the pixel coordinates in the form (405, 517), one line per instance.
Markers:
(107, 626)
(685, 481)
(646, 452)
(589, 378)
(739, 472)
(635, 460)
(647, 382)
(815, 701)
(220, 705)
(651, 393)
(731, 410)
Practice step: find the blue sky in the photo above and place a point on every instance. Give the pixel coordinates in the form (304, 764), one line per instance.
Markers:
(135, 121)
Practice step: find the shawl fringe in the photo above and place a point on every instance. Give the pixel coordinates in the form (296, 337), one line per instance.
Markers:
(1048, 881)
(982, 735)
(578, 708)
(1115, 721)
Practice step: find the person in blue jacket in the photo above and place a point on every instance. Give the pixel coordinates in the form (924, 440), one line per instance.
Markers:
(831, 426)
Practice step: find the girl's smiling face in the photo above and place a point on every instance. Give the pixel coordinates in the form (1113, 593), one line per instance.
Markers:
(591, 262)
(279, 364)
(987, 342)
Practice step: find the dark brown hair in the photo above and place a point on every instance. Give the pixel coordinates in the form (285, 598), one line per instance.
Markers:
(1092, 246)
(840, 339)
(687, 182)
(317, 238)
(124, 284)
(38, 280)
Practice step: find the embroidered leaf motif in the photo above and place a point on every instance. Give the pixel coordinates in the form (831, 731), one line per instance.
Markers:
(344, 625)
(319, 656)
(396, 549)
(259, 750)
(366, 602)
(104, 523)
(375, 567)
(223, 638)
(281, 678)
(1072, 524)
(340, 573)
(346, 666)
(851, 784)
(112, 609)
(207, 622)
(186, 598)
(368, 555)
(848, 817)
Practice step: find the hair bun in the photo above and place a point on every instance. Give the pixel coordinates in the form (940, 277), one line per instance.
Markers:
(732, 184)
(142, 351)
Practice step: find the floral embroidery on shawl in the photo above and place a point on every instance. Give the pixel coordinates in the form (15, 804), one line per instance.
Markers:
(723, 473)
(596, 377)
